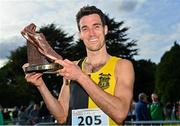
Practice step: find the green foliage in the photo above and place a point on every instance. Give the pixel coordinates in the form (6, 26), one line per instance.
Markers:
(60, 41)
(77, 51)
(13, 87)
(168, 75)
(118, 44)
(13, 67)
(144, 77)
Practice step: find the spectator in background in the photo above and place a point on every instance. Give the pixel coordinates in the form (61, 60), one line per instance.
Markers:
(131, 114)
(178, 110)
(1, 116)
(6, 115)
(34, 115)
(15, 115)
(168, 110)
(44, 113)
(22, 115)
(141, 109)
(173, 115)
(156, 108)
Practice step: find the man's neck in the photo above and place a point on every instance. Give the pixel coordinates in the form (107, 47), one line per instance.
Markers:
(95, 61)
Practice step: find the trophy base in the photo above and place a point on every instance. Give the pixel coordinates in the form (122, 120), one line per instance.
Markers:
(44, 68)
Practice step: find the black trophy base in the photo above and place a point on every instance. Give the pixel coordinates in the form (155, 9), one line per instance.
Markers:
(43, 68)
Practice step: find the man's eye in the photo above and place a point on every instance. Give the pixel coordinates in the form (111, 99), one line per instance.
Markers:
(97, 26)
(84, 29)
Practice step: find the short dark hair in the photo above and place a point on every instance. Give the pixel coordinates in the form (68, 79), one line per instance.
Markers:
(88, 10)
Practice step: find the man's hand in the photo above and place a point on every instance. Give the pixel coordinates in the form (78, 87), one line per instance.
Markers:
(33, 78)
(70, 70)
(40, 42)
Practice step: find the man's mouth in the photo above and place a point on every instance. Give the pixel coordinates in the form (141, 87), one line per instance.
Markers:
(93, 40)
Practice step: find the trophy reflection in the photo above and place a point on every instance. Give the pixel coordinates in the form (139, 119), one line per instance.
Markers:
(40, 54)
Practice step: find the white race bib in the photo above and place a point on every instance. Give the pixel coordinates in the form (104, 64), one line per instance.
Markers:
(89, 117)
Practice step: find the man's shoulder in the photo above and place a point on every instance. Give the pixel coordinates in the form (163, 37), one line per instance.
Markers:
(120, 60)
(124, 63)
(76, 62)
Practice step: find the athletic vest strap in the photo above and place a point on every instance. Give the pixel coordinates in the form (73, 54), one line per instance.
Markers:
(78, 97)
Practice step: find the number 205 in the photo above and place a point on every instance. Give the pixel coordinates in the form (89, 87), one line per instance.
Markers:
(89, 120)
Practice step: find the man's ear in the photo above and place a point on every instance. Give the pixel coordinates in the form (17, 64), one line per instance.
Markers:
(79, 33)
(105, 29)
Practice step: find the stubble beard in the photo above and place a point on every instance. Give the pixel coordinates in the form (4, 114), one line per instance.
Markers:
(97, 48)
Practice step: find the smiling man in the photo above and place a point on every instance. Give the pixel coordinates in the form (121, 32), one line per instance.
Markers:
(97, 89)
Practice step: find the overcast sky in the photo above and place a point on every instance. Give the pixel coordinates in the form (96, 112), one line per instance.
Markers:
(155, 24)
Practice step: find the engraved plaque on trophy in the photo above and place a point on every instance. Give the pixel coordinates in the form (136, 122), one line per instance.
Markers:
(39, 52)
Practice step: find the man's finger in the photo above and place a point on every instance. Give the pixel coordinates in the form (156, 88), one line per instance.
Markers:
(59, 61)
(68, 61)
(24, 66)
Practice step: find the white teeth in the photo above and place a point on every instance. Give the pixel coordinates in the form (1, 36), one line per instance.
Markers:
(93, 40)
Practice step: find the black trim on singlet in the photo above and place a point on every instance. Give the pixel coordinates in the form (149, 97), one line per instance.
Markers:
(78, 97)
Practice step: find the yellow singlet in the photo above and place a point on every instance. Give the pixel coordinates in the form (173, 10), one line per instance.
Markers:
(104, 78)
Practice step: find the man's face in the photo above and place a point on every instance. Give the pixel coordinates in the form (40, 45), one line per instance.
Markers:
(92, 32)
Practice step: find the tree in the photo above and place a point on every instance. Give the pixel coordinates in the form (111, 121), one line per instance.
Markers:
(118, 44)
(144, 77)
(13, 90)
(168, 75)
(58, 39)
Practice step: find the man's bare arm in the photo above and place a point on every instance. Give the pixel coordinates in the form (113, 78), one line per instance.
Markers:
(59, 108)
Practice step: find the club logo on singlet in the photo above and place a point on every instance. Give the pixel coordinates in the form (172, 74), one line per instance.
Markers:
(104, 80)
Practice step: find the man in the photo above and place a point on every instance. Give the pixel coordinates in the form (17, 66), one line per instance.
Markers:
(141, 109)
(156, 108)
(97, 90)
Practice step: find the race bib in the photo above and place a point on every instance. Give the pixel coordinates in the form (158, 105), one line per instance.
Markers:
(87, 117)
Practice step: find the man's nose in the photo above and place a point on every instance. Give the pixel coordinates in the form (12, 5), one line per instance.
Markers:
(91, 32)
